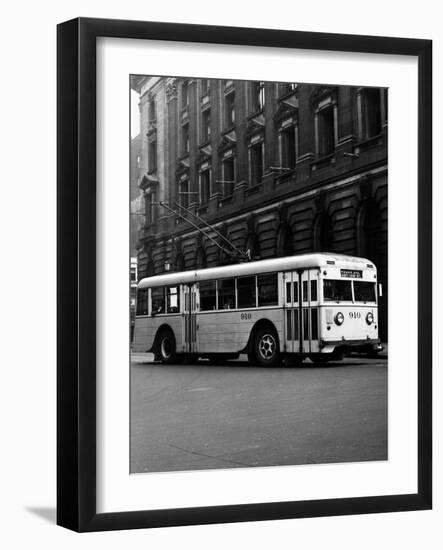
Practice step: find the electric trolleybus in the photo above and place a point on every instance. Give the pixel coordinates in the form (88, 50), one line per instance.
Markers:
(319, 306)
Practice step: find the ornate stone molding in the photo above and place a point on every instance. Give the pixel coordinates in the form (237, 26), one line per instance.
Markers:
(152, 129)
(255, 125)
(182, 165)
(148, 181)
(227, 141)
(320, 93)
(285, 111)
(205, 154)
(171, 91)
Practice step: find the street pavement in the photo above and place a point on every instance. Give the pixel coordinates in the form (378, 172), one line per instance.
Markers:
(200, 416)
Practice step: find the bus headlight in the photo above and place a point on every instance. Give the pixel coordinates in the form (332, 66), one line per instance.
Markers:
(339, 318)
(370, 318)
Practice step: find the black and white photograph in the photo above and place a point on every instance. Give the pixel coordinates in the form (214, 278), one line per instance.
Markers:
(230, 225)
(258, 274)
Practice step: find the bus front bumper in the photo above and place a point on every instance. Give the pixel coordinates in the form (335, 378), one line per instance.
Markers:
(366, 344)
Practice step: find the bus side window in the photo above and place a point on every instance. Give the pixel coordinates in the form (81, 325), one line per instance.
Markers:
(313, 291)
(208, 296)
(295, 287)
(292, 292)
(226, 294)
(267, 286)
(142, 301)
(246, 292)
(158, 300)
(173, 299)
(305, 291)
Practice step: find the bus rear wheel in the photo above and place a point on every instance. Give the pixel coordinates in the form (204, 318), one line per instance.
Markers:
(266, 347)
(166, 347)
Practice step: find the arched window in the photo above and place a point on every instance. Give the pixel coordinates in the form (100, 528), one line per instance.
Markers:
(323, 237)
(179, 262)
(285, 241)
(253, 245)
(149, 268)
(369, 231)
(201, 258)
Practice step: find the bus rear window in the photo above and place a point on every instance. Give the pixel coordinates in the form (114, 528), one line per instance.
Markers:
(364, 291)
(267, 286)
(142, 301)
(337, 290)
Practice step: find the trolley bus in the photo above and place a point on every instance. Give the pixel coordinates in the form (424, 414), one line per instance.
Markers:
(319, 306)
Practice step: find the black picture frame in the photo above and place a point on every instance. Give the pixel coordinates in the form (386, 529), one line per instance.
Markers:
(76, 293)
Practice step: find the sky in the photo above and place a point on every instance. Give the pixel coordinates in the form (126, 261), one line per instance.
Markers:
(135, 116)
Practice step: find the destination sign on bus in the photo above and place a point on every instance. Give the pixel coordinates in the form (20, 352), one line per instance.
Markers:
(353, 273)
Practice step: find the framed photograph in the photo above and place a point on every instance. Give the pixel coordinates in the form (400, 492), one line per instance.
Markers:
(244, 274)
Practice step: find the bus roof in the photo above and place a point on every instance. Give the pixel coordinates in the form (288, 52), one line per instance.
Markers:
(288, 263)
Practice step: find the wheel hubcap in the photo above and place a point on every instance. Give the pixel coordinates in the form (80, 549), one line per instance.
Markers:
(166, 348)
(267, 346)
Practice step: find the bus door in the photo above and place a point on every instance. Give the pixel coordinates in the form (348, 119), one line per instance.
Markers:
(309, 283)
(292, 325)
(190, 296)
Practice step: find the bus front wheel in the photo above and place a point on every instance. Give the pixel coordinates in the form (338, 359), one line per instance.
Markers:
(266, 347)
(166, 347)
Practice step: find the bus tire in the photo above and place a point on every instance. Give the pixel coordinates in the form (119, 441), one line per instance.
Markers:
(266, 347)
(166, 346)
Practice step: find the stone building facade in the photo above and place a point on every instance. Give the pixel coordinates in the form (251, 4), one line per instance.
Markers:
(276, 168)
(136, 197)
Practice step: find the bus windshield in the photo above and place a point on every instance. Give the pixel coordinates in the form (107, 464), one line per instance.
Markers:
(337, 290)
(364, 291)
